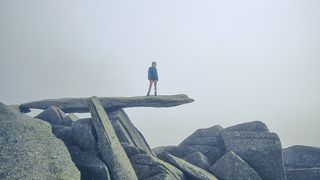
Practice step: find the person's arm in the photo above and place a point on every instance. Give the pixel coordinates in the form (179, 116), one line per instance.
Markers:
(149, 74)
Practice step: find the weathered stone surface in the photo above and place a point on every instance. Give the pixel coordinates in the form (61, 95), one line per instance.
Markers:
(198, 159)
(121, 132)
(54, 116)
(213, 132)
(90, 166)
(131, 150)
(127, 132)
(161, 149)
(303, 174)
(231, 167)
(181, 151)
(192, 171)
(16, 107)
(202, 140)
(261, 150)
(28, 149)
(80, 104)
(109, 147)
(64, 133)
(83, 134)
(255, 126)
(301, 157)
(302, 162)
(150, 167)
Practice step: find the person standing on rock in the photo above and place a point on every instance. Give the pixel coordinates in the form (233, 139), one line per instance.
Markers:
(153, 78)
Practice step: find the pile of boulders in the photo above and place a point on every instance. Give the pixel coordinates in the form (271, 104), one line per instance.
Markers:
(245, 151)
(108, 146)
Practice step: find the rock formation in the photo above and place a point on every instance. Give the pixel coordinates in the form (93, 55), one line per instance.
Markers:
(28, 149)
(80, 105)
(252, 142)
(261, 150)
(107, 145)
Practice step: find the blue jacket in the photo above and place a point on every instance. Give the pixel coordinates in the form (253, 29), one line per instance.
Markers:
(152, 73)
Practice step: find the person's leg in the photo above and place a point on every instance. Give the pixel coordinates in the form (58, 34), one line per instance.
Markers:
(150, 86)
(155, 87)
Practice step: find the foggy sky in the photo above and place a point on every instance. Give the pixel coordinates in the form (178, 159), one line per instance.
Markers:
(240, 60)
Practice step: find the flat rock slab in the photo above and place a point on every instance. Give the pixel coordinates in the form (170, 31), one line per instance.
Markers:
(109, 147)
(80, 105)
(232, 167)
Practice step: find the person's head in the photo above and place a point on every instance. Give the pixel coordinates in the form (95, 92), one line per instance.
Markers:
(154, 64)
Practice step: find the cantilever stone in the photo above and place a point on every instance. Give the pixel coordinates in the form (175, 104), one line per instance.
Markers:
(80, 105)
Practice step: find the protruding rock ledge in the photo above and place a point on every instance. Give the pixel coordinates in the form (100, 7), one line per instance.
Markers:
(80, 105)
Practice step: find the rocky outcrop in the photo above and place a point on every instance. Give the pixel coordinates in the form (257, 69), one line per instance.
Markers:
(192, 171)
(127, 132)
(231, 167)
(80, 105)
(28, 149)
(251, 141)
(109, 147)
(302, 162)
(261, 150)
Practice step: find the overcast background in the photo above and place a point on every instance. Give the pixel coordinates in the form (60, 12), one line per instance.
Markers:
(240, 60)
